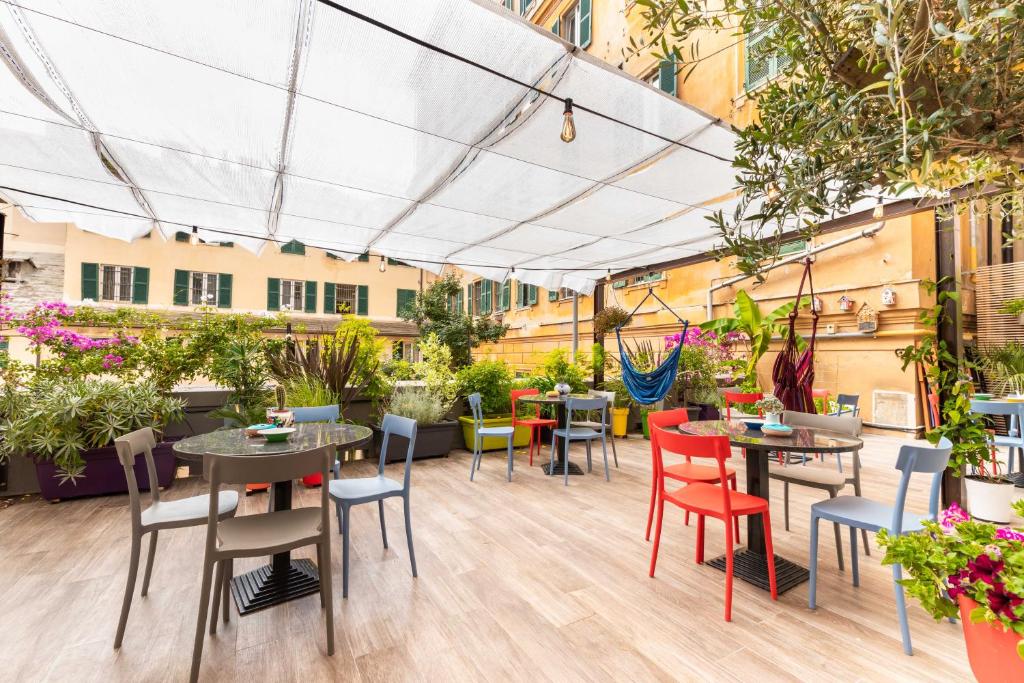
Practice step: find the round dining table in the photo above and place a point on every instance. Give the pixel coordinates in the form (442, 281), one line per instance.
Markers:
(751, 563)
(284, 578)
(562, 421)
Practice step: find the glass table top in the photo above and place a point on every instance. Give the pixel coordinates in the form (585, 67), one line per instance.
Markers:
(802, 440)
(307, 436)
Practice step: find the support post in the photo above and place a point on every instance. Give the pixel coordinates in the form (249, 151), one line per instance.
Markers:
(947, 273)
(3, 221)
(598, 336)
(575, 325)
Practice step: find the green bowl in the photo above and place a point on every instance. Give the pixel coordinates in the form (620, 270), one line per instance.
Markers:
(983, 397)
(277, 434)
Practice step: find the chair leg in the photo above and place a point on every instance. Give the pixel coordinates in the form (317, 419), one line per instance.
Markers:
(408, 534)
(686, 518)
(590, 463)
(811, 602)
(320, 563)
(728, 571)
(735, 519)
(769, 549)
(533, 431)
(204, 603)
(615, 455)
(657, 536)
(864, 535)
(510, 458)
(650, 508)
(901, 608)
(229, 571)
(149, 563)
(473, 464)
(785, 501)
(326, 594)
(604, 450)
(344, 553)
(129, 589)
(218, 585)
(383, 529)
(700, 539)
(337, 511)
(551, 467)
(854, 568)
(566, 442)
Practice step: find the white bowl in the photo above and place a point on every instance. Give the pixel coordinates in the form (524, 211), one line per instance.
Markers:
(276, 434)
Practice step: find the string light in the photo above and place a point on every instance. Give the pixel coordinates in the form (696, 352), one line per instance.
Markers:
(193, 239)
(383, 264)
(568, 127)
(608, 277)
(879, 210)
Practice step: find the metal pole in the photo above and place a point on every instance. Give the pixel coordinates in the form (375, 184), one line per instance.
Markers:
(598, 336)
(575, 325)
(949, 330)
(3, 221)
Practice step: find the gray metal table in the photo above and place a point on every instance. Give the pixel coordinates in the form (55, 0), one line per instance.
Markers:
(284, 578)
(751, 563)
(562, 420)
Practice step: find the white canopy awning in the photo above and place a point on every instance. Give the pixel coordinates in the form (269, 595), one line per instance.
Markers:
(295, 120)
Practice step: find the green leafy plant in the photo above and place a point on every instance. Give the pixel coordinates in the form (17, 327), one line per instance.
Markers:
(623, 399)
(557, 367)
(435, 371)
(757, 329)
(1012, 307)
(492, 379)
(956, 557)
(419, 404)
(309, 391)
(610, 317)
(1004, 367)
(243, 366)
(57, 419)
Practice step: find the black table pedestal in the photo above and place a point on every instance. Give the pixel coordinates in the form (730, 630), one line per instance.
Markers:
(559, 470)
(752, 567)
(283, 579)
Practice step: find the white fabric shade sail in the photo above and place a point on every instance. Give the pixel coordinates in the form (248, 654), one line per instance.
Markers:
(290, 119)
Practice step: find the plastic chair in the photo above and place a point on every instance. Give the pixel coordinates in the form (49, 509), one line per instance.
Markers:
(585, 434)
(161, 514)
(261, 534)
(479, 432)
(862, 513)
(685, 472)
(823, 478)
(1014, 440)
(710, 500)
(347, 493)
(610, 395)
(848, 405)
(823, 395)
(533, 423)
(329, 414)
(739, 397)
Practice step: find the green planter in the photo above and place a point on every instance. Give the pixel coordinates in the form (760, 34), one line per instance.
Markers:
(521, 438)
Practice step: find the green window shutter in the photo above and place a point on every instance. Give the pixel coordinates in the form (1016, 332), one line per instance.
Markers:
(469, 299)
(330, 290)
(362, 300)
(225, 244)
(294, 247)
(91, 281)
(552, 295)
(524, 6)
(406, 300)
(532, 295)
(273, 294)
(364, 257)
(667, 75)
(224, 282)
(584, 23)
(310, 291)
(506, 295)
(555, 27)
(485, 297)
(507, 3)
(180, 294)
(458, 302)
(181, 236)
(757, 66)
(140, 285)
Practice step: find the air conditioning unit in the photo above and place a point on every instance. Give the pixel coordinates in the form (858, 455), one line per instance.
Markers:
(893, 408)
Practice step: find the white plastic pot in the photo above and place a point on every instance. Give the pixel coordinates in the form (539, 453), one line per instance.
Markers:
(990, 501)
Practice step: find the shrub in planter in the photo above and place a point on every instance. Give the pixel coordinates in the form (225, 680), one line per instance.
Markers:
(975, 570)
(434, 433)
(493, 380)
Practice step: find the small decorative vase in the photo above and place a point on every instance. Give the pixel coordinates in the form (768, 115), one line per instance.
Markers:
(773, 418)
(563, 389)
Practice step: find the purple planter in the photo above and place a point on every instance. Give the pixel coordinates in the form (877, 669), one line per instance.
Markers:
(104, 474)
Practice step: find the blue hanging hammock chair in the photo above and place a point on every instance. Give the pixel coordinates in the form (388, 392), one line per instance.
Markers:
(650, 387)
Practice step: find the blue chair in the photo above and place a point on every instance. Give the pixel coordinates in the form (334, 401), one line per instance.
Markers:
(330, 414)
(847, 405)
(586, 434)
(1014, 440)
(479, 432)
(857, 512)
(347, 493)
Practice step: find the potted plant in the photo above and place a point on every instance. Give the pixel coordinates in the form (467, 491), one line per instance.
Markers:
(974, 570)
(620, 409)
(68, 427)
(772, 409)
(492, 379)
(1014, 307)
(703, 356)
(1004, 367)
(610, 317)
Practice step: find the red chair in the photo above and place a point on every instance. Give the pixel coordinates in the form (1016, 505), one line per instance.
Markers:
(534, 423)
(685, 472)
(823, 395)
(739, 397)
(711, 500)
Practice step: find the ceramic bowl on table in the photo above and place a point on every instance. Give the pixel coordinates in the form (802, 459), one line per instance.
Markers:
(277, 434)
(254, 430)
(753, 424)
(776, 430)
(983, 397)
(1014, 398)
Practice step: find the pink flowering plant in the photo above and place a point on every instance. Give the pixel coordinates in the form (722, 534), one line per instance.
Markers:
(958, 557)
(703, 356)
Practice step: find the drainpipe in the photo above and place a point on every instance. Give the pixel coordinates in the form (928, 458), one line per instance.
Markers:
(866, 232)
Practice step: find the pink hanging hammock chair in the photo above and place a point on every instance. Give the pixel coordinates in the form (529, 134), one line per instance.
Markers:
(793, 375)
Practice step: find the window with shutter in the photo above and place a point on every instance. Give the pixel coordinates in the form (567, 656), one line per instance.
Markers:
(524, 6)
(362, 300)
(505, 301)
(406, 300)
(203, 288)
(486, 291)
(140, 285)
(364, 257)
(273, 294)
(532, 295)
(552, 295)
(760, 66)
(115, 283)
(180, 294)
(90, 281)
(292, 297)
(224, 281)
(294, 247)
(309, 290)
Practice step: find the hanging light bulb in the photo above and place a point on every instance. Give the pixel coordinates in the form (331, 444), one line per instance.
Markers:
(879, 210)
(193, 239)
(568, 127)
(383, 264)
(608, 277)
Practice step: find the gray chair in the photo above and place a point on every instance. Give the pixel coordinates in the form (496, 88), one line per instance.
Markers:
(848, 405)
(610, 395)
(585, 434)
(349, 492)
(820, 476)
(329, 414)
(262, 534)
(161, 514)
(1014, 439)
(862, 513)
(479, 432)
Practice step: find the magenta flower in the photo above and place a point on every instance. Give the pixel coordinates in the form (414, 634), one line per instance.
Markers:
(1002, 601)
(984, 568)
(952, 516)
(1008, 534)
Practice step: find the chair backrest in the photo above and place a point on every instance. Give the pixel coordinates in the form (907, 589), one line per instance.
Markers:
(515, 394)
(847, 425)
(739, 397)
(607, 395)
(331, 413)
(663, 419)
(575, 403)
(819, 393)
(404, 427)
(924, 459)
(140, 442)
(848, 403)
(474, 407)
(693, 446)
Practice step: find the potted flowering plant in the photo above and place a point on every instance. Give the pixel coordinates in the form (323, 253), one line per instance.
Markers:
(703, 356)
(975, 570)
(772, 409)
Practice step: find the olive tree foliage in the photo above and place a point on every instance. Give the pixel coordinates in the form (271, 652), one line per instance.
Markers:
(891, 96)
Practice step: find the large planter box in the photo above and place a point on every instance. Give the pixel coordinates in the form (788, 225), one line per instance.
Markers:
(991, 651)
(104, 475)
(432, 441)
(521, 438)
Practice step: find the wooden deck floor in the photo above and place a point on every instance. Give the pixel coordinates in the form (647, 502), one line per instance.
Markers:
(521, 581)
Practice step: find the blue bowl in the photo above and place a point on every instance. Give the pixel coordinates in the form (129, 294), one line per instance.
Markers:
(753, 425)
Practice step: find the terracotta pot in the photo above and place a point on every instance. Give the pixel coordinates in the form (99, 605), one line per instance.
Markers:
(991, 650)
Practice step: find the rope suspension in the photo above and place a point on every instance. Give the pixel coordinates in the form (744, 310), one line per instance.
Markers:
(649, 387)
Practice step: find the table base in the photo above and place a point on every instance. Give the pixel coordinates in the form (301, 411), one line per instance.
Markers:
(263, 587)
(752, 567)
(560, 468)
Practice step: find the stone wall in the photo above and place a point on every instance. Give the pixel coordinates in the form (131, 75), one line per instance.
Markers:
(44, 282)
